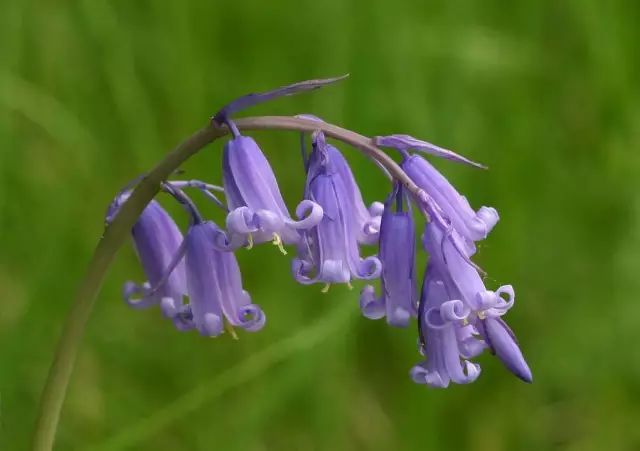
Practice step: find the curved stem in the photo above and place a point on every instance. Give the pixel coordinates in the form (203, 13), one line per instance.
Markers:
(363, 143)
(114, 236)
(116, 233)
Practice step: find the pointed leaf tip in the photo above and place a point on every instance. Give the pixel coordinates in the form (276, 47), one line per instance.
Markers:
(252, 99)
(406, 143)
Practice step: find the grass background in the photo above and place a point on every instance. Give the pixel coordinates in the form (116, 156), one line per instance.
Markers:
(546, 93)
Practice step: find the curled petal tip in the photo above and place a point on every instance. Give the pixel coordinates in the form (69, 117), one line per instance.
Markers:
(211, 325)
(371, 306)
(400, 317)
(253, 318)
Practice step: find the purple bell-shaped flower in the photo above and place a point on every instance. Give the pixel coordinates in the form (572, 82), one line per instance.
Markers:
(465, 302)
(330, 253)
(157, 241)
(257, 212)
(215, 288)
(397, 300)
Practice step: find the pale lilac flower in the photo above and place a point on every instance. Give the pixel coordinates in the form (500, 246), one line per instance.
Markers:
(329, 253)
(158, 243)
(257, 212)
(215, 287)
(366, 220)
(445, 340)
(157, 240)
(397, 300)
(473, 226)
(462, 302)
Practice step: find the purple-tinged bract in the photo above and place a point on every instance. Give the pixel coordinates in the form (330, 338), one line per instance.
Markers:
(397, 300)
(406, 143)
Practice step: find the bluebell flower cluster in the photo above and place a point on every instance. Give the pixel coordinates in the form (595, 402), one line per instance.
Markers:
(194, 279)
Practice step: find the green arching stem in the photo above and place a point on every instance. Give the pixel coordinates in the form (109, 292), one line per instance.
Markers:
(117, 232)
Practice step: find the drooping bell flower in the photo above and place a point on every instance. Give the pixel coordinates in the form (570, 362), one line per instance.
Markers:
(214, 283)
(468, 302)
(257, 212)
(397, 300)
(446, 341)
(329, 253)
(215, 287)
(473, 226)
(157, 240)
(366, 220)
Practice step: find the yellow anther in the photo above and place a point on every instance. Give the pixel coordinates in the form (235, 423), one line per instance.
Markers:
(325, 289)
(349, 286)
(482, 315)
(465, 322)
(277, 241)
(250, 242)
(229, 328)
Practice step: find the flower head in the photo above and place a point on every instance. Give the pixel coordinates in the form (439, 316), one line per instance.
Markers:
(330, 253)
(397, 254)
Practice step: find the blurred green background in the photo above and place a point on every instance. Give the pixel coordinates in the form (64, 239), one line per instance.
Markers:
(546, 93)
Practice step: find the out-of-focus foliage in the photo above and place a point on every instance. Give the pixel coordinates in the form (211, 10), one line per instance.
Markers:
(546, 93)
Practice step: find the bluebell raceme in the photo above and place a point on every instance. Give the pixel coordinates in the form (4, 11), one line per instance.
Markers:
(195, 280)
